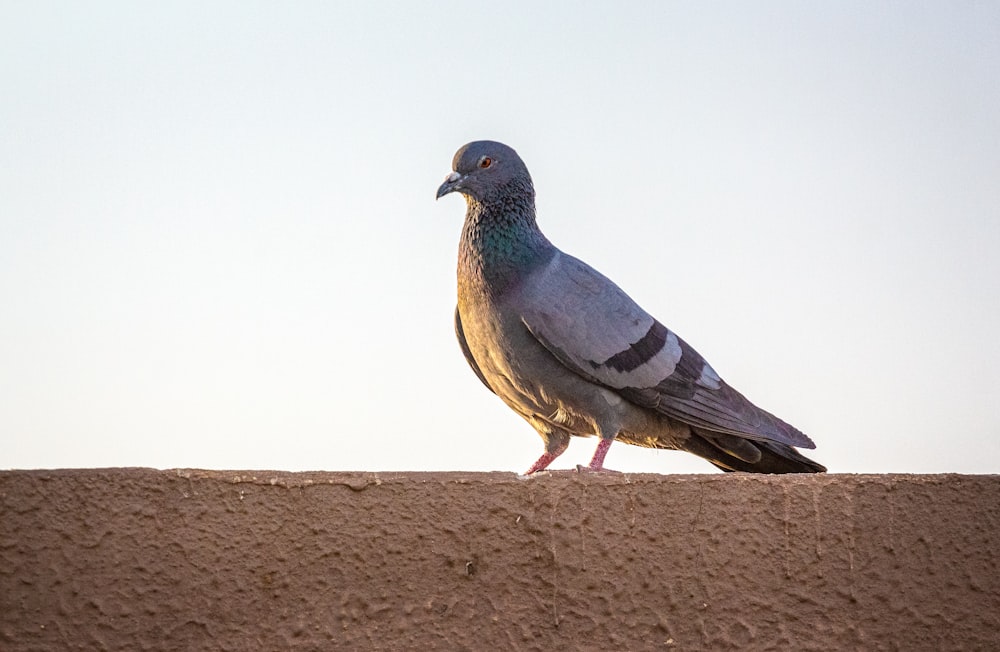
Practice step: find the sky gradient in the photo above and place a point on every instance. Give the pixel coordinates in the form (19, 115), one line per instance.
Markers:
(219, 245)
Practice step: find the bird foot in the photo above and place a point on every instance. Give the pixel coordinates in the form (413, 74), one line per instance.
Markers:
(580, 468)
(544, 473)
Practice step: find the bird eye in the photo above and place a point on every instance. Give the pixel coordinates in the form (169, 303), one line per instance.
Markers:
(485, 162)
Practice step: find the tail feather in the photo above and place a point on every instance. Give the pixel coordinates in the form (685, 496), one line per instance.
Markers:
(774, 457)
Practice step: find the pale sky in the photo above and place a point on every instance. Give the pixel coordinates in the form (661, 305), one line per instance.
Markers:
(219, 245)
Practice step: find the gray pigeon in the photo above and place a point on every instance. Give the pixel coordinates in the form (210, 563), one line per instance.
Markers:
(570, 352)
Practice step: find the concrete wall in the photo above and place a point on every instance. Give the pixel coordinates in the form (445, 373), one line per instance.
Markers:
(139, 559)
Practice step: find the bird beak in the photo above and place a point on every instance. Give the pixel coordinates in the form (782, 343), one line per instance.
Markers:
(451, 183)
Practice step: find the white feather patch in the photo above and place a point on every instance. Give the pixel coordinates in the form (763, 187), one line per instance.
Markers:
(709, 378)
(611, 397)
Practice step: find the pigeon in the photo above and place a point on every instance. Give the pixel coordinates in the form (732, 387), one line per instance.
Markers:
(574, 355)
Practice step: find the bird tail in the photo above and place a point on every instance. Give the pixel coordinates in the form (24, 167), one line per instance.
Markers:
(732, 453)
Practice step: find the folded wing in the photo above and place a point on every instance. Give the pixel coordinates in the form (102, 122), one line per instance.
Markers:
(596, 330)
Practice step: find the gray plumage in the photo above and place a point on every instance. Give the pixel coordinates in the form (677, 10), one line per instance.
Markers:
(574, 355)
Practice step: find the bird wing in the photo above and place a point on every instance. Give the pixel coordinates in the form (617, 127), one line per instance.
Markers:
(596, 330)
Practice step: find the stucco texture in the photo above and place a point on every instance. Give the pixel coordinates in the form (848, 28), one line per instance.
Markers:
(141, 559)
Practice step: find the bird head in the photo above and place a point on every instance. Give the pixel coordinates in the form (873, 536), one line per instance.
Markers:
(485, 169)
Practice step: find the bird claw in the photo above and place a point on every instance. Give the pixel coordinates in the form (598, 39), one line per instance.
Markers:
(580, 468)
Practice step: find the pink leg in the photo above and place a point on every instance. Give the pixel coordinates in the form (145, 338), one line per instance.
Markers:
(541, 463)
(597, 461)
(554, 447)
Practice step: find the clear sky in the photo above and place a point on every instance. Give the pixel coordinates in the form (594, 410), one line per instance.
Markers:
(219, 245)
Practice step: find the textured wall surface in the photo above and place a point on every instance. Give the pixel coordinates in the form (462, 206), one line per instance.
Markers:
(139, 559)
